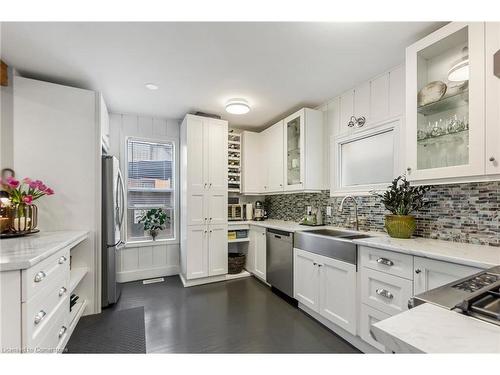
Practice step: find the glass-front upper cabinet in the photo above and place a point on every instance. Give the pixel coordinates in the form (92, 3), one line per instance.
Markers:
(294, 151)
(445, 103)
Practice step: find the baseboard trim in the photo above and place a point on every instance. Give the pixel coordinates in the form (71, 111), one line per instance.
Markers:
(126, 276)
(355, 341)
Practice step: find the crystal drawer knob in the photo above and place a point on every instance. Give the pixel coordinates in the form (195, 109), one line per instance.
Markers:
(62, 291)
(384, 293)
(62, 259)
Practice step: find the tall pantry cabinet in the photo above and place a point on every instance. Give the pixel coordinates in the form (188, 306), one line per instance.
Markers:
(203, 197)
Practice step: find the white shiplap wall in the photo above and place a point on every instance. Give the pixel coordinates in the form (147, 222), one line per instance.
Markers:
(138, 261)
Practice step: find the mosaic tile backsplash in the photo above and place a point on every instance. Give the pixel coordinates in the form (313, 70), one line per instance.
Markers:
(457, 212)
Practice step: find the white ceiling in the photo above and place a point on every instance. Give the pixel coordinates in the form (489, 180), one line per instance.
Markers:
(277, 67)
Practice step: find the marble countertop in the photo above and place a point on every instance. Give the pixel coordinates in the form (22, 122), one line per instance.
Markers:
(284, 225)
(480, 256)
(24, 252)
(431, 329)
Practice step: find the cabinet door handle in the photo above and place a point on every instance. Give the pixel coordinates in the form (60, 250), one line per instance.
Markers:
(39, 317)
(40, 276)
(492, 159)
(320, 265)
(62, 331)
(205, 185)
(62, 291)
(385, 261)
(62, 259)
(315, 264)
(384, 293)
(418, 270)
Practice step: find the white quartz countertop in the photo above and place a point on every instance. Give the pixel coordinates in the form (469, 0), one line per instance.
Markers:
(24, 252)
(284, 225)
(480, 256)
(431, 329)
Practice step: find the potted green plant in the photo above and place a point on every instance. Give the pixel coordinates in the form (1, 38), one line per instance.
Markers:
(401, 200)
(154, 220)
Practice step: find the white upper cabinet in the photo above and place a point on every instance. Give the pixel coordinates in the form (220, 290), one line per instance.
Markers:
(294, 151)
(492, 98)
(287, 156)
(303, 151)
(445, 103)
(217, 154)
(346, 111)
(252, 163)
(362, 107)
(379, 99)
(396, 91)
(274, 158)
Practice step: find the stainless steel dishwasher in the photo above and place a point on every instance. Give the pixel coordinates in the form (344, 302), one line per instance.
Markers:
(279, 260)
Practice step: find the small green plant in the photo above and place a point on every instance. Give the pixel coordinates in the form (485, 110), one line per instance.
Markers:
(403, 199)
(154, 220)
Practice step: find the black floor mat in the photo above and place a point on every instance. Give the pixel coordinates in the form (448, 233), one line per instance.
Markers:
(120, 331)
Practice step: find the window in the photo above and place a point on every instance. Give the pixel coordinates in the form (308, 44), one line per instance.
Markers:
(150, 172)
(365, 161)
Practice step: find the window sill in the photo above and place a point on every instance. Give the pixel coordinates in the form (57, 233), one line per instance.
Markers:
(148, 243)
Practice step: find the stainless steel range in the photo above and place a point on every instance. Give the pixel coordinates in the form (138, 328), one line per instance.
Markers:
(477, 295)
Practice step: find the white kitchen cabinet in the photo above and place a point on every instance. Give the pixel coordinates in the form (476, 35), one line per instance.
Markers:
(274, 158)
(196, 252)
(303, 151)
(396, 91)
(217, 250)
(385, 292)
(368, 317)
(492, 98)
(203, 197)
(337, 292)
(445, 138)
(252, 163)
(326, 286)
(362, 107)
(430, 273)
(306, 279)
(346, 112)
(259, 237)
(379, 99)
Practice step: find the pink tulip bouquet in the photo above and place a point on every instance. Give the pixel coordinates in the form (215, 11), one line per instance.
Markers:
(25, 191)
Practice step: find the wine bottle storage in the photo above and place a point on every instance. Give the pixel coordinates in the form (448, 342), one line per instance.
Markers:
(234, 161)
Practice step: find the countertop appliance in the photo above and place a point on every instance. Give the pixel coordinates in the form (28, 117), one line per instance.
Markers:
(313, 218)
(234, 212)
(113, 212)
(279, 260)
(477, 295)
(259, 212)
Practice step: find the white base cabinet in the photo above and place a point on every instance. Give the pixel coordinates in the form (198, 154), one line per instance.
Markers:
(326, 286)
(258, 251)
(430, 273)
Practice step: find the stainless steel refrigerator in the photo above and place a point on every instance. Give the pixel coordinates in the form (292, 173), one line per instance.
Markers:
(113, 213)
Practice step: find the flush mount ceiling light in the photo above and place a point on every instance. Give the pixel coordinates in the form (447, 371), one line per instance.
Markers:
(459, 72)
(237, 106)
(151, 86)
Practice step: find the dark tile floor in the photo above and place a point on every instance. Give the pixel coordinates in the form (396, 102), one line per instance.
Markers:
(238, 316)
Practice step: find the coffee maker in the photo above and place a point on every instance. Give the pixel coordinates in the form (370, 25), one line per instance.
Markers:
(259, 212)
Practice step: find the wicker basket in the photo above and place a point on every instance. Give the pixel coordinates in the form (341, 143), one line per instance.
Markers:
(236, 262)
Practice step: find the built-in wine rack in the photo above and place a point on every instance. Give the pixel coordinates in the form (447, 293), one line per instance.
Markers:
(234, 162)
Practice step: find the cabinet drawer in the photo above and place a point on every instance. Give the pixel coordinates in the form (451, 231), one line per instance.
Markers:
(55, 333)
(37, 278)
(369, 316)
(390, 262)
(38, 313)
(387, 293)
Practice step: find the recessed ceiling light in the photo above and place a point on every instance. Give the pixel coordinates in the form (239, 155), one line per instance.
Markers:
(237, 106)
(151, 86)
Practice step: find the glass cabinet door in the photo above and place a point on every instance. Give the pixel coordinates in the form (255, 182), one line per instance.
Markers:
(294, 150)
(444, 122)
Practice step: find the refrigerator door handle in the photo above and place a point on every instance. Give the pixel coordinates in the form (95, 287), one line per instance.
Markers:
(122, 200)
